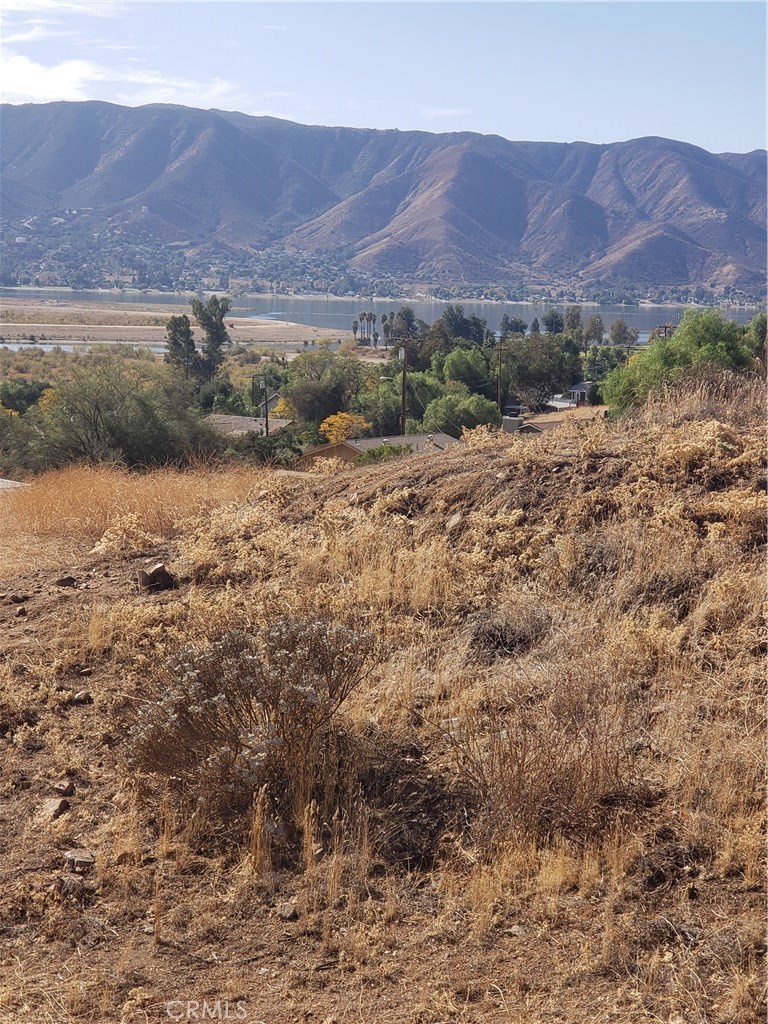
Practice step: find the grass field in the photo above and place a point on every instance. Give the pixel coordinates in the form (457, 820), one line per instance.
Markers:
(473, 738)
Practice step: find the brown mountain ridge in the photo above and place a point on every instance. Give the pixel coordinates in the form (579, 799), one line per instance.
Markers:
(438, 207)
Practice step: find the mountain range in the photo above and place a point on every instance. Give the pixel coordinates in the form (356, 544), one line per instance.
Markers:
(450, 208)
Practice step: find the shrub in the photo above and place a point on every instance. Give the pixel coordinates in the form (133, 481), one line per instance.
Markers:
(548, 765)
(252, 710)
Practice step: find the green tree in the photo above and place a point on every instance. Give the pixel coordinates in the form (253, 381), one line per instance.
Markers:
(553, 321)
(517, 325)
(180, 346)
(535, 328)
(19, 395)
(755, 339)
(702, 338)
(594, 329)
(471, 328)
(117, 410)
(471, 367)
(539, 366)
(458, 409)
(572, 318)
(210, 315)
(322, 383)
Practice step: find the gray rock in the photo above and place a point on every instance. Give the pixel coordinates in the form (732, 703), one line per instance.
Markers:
(65, 788)
(128, 857)
(287, 912)
(83, 697)
(65, 581)
(156, 577)
(79, 860)
(55, 807)
(72, 889)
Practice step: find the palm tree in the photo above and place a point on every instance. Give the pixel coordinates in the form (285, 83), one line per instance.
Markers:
(362, 317)
(355, 325)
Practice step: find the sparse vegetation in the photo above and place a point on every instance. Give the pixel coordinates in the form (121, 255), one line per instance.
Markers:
(519, 697)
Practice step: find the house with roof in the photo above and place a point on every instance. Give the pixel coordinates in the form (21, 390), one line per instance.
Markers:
(237, 426)
(349, 450)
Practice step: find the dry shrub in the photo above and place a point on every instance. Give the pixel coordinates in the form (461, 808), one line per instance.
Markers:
(548, 765)
(710, 393)
(248, 710)
(493, 633)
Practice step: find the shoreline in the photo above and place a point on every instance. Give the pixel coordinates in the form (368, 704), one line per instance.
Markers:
(130, 296)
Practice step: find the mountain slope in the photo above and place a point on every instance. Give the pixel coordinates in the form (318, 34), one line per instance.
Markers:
(445, 207)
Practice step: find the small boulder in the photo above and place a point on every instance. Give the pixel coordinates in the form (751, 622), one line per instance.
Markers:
(156, 577)
(64, 788)
(65, 581)
(79, 860)
(55, 807)
(453, 522)
(287, 912)
(82, 697)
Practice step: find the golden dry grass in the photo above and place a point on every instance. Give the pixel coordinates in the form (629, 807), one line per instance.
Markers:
(62, 514)
(566, 730)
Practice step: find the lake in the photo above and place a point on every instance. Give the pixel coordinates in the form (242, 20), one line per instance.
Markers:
(336, 313)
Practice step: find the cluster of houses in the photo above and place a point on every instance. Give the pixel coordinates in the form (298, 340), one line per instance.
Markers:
(515, 420)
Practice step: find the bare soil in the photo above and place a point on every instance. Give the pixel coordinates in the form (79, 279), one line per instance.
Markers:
(71, 322)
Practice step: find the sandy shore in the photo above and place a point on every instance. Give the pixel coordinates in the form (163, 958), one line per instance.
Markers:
(79, 322)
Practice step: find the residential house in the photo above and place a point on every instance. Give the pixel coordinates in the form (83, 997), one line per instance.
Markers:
(349, 450)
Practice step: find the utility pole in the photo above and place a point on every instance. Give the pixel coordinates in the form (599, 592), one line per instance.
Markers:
(498, 377)
(404, 353)
(263, 386)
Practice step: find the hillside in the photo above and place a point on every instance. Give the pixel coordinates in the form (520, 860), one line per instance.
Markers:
(475, 738)
(442, 208)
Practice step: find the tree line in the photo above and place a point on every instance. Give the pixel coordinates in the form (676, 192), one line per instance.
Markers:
(122, 405)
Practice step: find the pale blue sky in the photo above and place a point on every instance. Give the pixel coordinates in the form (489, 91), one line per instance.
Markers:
(598, 72)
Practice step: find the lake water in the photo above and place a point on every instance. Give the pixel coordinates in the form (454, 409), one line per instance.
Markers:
(335, 314)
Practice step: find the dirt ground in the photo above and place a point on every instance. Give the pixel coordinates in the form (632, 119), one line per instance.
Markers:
(74, 321)
(148, 936)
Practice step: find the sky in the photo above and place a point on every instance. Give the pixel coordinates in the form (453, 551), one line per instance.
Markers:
(550, 71)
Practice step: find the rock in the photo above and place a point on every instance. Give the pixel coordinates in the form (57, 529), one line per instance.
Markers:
(287, 912)
(156, 577)
(72, 888)
(65, 788)
(18, 598)
(55, 807)
(65, 581)
(83, 697)
(515, 930)
(79, 860)
(453, 521)
(21, 613)
(85, 672)
(128, 857)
